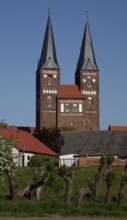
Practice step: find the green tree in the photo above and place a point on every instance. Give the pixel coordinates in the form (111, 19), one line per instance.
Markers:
(87, 189)
(122, 191)
(52, 137)
(110, 178)
(41, 167)
(84, 191)
(7, 165)
(123, 186)
(67, 174)
(103, 168)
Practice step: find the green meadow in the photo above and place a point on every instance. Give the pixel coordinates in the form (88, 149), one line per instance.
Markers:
(53, 196)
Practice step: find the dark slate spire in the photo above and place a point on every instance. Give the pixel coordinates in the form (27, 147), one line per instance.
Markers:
(87, 59)
(48, 57)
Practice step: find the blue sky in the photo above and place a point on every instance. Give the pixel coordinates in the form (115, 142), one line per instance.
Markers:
(22, 28)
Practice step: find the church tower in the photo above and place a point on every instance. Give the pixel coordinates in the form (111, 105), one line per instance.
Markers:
(67, 106)
(87, 79)
(47, 81)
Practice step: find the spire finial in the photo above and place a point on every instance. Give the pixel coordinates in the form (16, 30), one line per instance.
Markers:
(87, 14)
(49, 10)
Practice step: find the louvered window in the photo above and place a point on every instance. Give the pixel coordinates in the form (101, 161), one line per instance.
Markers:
(49, 101)
(89, 102)
(50, 80)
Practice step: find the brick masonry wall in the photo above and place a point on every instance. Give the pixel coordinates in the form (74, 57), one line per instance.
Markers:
(46, 112)
(92, 113)
(74, 120)
(88, 161)
(70, 121)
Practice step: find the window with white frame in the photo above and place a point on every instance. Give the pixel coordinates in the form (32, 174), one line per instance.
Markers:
(80, 107)
(62, 107)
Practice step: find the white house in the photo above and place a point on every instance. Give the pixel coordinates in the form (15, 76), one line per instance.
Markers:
(26, 145)
(68, 160)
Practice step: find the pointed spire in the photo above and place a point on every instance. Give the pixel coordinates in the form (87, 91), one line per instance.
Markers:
(87, 14)
(49, 11)
(48, 57)
(87, 59)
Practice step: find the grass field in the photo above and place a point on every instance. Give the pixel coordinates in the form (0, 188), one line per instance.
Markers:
(53, 197)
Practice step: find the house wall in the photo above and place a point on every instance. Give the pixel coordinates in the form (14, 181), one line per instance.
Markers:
(68, 160)
(21, 159)
(24, 159)
(15, 154)
(94, 161)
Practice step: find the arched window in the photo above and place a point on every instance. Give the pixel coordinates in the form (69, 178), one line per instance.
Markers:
(67, 108)
(75, 108)
(49, 101)
(89, 102)
(80, 107)
(50, 80)
(62, 107)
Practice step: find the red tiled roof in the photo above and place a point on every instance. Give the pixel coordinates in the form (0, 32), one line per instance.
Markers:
(69, 92)
(117, 128)
(27, 142)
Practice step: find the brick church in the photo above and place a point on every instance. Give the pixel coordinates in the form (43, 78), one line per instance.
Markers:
(74, 107)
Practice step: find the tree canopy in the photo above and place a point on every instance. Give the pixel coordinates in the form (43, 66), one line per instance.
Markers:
(7, 164)
(52, 137)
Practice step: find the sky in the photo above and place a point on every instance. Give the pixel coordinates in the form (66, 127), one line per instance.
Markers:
(22, 28)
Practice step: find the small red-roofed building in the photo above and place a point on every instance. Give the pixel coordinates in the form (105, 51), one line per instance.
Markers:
(26, 145)
(117, 128)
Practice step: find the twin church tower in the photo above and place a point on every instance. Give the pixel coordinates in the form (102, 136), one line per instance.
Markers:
(66, 106)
